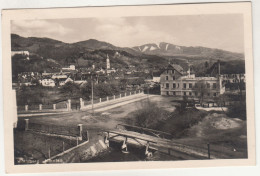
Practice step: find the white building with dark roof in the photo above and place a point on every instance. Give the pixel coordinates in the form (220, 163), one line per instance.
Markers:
(175, 82)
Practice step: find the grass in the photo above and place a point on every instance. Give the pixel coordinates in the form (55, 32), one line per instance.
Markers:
(36, 145)
(178, 123)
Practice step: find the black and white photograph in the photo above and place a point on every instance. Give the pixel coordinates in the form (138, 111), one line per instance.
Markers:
(130, 88)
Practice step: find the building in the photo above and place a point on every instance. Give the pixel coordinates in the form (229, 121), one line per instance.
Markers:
(71, 67)
(175, 82)
(108, 62)
(24, 53)
(234, 78)
(157, 77)
(59, 76)
(108, 69)
(63, 81)
(47, 82)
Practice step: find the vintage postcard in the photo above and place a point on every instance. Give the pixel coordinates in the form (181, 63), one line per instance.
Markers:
(128, 87)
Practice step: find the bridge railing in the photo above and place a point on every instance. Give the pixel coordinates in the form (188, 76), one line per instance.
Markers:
(147, 131)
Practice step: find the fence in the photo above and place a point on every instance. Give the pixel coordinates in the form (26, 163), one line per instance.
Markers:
(37, 107)
(47, 140)
(113, 97)
(77, 104)
(54, 129)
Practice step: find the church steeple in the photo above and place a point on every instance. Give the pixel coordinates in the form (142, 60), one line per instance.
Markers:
(108, 62)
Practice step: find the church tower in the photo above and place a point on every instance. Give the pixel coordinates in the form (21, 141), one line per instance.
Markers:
(108, 62)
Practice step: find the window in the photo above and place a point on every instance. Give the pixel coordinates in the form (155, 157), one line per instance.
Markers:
(184, 93)
(174, 85)
(214, 85)
(190, 93)
(174, 93)
(184, 85)
(190, 85)
(208, 85)
(208, 94)
(196, 93)
(167, 93)
(173, 71)
(196, 85)
(167, 85)
(170, 71)
(215, 94)
(173, 78)
(167, 71)
(166, 78)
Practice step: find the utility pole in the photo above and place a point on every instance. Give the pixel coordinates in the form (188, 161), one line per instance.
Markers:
(92, 93)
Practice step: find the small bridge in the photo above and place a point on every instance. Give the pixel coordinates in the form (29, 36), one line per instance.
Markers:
(152, 141)
(155, 133)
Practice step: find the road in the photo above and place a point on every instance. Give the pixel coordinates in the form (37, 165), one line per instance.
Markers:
(99, 107)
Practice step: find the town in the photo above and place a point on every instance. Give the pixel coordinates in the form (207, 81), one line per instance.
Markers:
(99, 105)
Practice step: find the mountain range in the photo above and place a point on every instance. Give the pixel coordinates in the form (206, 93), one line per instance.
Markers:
(85, 53)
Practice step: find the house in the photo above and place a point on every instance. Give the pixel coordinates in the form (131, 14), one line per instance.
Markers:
(177, 83)
(148, 79)
(24, 53)
(63, 81)
(69, 68)
(59, 76)
(80, 82)
(47, 82)
(109, 71)
(156, 77)
(234, 78)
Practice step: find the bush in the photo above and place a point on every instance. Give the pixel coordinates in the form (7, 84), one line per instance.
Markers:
(149, 114)
(238, 110)
(179, 122)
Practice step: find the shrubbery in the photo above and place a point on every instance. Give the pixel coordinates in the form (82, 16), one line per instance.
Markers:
(149, 114)
(237, 110)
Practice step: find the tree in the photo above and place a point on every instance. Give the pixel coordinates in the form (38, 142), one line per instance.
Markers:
(206, 65)
(36, 82)
(201, 90)
(148, 114)
(70, 89)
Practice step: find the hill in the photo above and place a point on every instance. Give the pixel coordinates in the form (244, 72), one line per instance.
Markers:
(85, 53)
(167, 49)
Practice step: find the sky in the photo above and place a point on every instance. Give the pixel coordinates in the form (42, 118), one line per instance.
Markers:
(223, 31)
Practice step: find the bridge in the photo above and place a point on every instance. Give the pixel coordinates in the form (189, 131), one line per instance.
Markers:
(154, 142)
